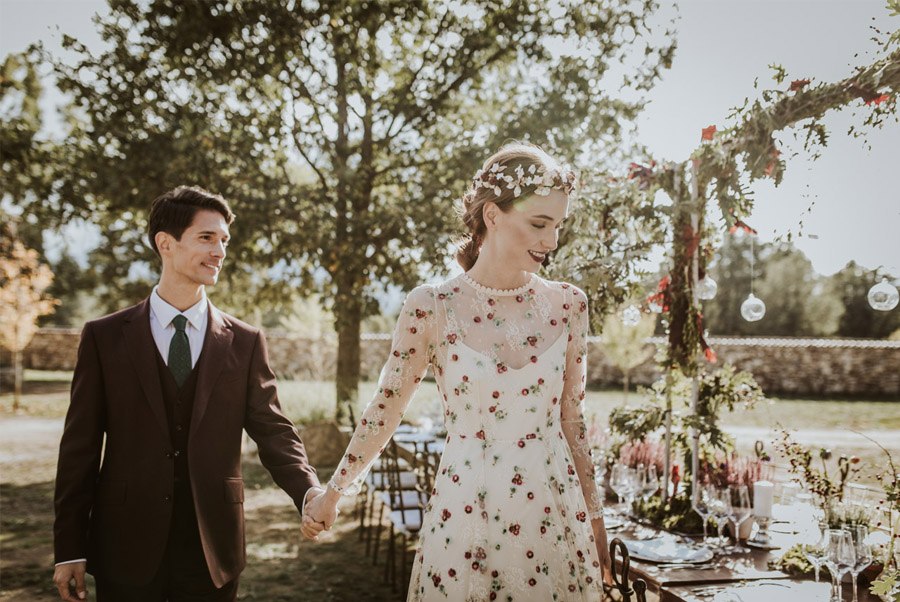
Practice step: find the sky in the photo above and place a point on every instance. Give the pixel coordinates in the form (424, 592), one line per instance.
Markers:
(723, 45)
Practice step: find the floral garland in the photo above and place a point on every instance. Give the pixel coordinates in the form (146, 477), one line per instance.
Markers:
(543, 180)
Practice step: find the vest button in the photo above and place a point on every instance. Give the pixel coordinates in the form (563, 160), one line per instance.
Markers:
(167, 498)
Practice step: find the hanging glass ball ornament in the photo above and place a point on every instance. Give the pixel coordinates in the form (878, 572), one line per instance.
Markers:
(631, 316)
(707, 288)
(883, 296)
(753, 309)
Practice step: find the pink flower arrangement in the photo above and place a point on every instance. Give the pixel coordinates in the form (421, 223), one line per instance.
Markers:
(723, 471)
(646, 452)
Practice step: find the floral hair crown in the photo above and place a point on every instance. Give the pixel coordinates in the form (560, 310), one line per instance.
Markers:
(544, 180)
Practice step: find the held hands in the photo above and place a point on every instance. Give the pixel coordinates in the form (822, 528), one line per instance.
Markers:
(64, 575)
(320, 513)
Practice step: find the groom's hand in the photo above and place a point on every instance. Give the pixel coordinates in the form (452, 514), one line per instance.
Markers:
(64, 575)
(320, 513)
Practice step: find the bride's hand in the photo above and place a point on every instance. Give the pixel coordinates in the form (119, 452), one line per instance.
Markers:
(320, 513)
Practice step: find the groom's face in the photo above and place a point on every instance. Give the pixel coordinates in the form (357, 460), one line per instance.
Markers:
(199, 255)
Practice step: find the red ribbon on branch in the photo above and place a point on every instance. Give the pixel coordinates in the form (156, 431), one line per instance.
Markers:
(708, 351)
(660, 297)
(739, 225)
(878, 99)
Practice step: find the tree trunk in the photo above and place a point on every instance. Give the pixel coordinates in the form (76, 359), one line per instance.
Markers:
(17, 372)
(348, 318)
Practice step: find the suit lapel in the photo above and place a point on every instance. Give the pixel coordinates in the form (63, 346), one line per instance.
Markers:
(216, 346)
(142, 350)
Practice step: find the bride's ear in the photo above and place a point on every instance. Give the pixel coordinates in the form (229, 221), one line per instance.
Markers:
(489, 212)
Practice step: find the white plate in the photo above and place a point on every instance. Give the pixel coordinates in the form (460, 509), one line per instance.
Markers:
(665, 549)
(612, 522)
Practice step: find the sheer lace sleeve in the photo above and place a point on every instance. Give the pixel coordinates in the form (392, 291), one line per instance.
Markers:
(572, 410)
(411, 351)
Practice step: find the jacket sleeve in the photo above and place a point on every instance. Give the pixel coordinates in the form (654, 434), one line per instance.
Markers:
(280, 449)
(79, 453)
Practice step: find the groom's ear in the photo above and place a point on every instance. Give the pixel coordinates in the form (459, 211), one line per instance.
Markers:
(163, 242)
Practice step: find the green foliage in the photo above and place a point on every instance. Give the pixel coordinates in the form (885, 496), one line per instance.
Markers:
(673, 514)
(793, 562)
(719, 391)
(611, 231)
(342, 132)
(626, 344)
(25, 158)
(826, 486)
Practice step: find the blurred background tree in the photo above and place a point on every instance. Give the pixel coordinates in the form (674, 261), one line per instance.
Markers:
(342, 132)
(23, 298)
(626, 345)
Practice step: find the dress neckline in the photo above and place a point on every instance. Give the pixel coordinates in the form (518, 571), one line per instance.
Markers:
(498, 292)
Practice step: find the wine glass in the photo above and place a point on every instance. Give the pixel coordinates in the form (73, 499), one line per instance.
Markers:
(860, 533)
(700, 505)
(840, 558)
(720, 508)
(741, 509)
(649, 482)
(814, 545)
(622, 481)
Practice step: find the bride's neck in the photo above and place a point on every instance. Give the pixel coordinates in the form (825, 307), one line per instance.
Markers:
(491, 273)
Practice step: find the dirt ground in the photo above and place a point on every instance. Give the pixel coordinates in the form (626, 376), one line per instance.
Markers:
(281, 566)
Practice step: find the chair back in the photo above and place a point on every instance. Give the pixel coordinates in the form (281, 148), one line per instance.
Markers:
(640, 590)
(620, 577)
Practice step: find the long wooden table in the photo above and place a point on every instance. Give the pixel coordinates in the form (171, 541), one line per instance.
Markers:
(746, 574)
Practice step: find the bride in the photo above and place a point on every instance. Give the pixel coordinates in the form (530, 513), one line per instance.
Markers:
(515, 513)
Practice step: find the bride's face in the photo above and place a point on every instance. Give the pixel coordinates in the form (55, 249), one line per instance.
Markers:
(522, 236)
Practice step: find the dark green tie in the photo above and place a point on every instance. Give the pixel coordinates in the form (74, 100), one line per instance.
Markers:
(180, 351)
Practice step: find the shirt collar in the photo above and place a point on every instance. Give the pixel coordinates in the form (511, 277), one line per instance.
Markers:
(164, 312)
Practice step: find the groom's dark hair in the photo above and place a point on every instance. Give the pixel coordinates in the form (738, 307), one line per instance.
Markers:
(173, 211)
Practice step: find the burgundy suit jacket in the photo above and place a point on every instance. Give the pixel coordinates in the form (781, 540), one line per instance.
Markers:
(114, 502)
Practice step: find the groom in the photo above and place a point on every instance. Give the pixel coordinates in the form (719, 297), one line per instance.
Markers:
(164, 390)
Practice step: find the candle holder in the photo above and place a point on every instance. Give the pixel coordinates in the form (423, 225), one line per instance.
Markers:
(762, 534)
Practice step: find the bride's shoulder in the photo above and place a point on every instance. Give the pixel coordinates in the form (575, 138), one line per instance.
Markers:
(566, 288)
(436, 290)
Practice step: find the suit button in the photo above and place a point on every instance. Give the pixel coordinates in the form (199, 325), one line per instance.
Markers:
(170, 455)
(167, 498)
(177, 453)
(179, 428)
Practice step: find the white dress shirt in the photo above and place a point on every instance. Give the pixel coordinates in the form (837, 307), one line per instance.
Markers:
(161, 314)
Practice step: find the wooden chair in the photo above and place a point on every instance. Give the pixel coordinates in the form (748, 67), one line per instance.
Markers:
(640, 590)
(406, 510)
(620, 577)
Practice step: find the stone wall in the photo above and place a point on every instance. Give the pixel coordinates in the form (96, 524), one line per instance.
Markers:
(783, 366)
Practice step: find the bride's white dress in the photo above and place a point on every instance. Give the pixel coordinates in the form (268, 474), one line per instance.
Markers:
(509, 517)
